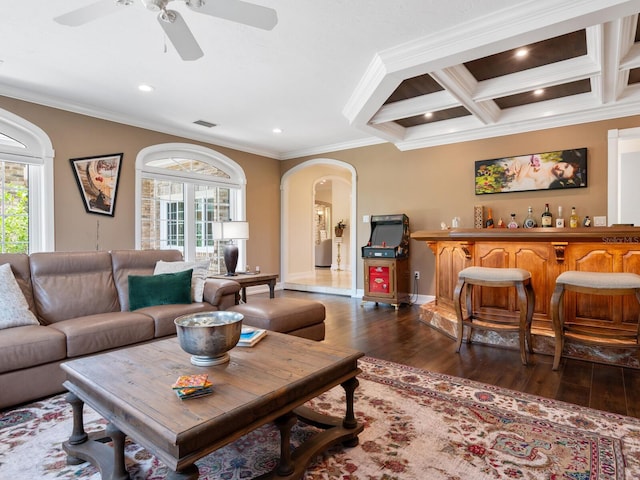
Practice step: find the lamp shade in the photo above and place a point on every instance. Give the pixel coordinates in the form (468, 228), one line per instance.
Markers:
(234, 231)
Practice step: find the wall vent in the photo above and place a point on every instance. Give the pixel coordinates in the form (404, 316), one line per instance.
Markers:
(204, 123)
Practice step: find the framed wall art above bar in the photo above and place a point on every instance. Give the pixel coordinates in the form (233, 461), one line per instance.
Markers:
(97, 179)
(536, 171)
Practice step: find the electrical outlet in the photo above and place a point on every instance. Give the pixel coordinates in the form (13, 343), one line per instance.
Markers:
(416, 275)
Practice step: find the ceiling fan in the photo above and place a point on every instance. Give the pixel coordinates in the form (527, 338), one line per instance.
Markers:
(172, 22)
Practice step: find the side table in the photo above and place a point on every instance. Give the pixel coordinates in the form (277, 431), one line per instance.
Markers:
(251, 279)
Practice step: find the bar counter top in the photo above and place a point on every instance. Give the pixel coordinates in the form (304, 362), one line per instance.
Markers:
(582, 234)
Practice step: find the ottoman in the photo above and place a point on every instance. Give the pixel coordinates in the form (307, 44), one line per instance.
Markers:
(302, 318)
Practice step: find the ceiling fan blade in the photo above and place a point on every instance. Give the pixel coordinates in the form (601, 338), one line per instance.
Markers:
(237, 11)
(86, 14)
(181, 37)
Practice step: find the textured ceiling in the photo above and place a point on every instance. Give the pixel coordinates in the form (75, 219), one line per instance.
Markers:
(334, 74)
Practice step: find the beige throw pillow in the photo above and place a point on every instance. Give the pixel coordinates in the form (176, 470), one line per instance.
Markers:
(200, 272)
(14, 309)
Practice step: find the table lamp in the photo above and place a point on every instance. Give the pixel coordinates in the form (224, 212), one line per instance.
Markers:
(232, 231)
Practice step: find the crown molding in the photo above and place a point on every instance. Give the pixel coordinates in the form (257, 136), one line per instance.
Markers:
(38, 98)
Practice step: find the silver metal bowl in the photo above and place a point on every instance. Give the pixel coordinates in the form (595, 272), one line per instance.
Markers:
(208, 336)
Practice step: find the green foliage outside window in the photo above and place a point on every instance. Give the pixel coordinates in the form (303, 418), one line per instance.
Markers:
(14, 220)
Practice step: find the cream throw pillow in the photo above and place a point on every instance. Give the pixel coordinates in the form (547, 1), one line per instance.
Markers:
(200, 272)
(14, 309)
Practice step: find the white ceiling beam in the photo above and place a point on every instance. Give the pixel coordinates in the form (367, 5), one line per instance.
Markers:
(615, 39)
(545, 76)
(411, 107)
(602, 84)
(465, 133)
(462, 85)
(632, 58)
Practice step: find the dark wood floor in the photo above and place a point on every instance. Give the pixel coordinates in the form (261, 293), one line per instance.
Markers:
(381, 332)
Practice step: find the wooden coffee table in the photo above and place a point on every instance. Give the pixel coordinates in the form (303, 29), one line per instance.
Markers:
(131, 389)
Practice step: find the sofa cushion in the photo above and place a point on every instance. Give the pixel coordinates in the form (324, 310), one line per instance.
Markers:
(14, 309)
(164, 315)
(22, 273)
(161, 289)
(200, 272)
(136, 262)
(23, 347)
(96, 333)
(72, 284)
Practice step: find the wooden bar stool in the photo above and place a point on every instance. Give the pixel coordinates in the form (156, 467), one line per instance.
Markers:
(595, 283)
(496, 277)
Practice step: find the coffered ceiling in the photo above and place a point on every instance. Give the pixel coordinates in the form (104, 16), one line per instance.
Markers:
(334, 74)
(529, 67)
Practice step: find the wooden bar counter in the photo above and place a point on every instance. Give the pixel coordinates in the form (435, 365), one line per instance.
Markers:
(545, 252)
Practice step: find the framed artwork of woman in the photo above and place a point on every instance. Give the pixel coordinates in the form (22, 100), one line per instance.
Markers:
(536, 171)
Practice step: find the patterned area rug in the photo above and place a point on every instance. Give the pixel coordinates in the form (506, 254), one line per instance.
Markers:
(418, 425)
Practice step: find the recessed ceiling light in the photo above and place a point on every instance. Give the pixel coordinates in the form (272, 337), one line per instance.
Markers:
(522, 52)
(277, 130)
(538, 91)
(428, 114)
(143, 87)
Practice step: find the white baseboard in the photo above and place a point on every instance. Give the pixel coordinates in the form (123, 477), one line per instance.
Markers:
(415, 300)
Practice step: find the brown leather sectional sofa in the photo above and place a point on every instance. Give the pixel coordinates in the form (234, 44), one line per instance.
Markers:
(81, 301)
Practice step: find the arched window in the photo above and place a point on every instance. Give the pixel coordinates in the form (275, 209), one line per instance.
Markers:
(181, 190)
(26, 187)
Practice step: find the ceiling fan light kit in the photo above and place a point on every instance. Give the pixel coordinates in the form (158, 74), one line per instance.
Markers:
(155, 5)
(172, 22)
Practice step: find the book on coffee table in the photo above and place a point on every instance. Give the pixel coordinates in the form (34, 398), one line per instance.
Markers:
(190, 381)
(187, 393)
(192, 386)
(250, 336)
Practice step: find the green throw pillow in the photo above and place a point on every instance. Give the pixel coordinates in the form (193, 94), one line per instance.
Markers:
(163, 289)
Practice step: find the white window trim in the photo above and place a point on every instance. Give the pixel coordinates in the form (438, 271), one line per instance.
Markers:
(238, 182)
(38, 154)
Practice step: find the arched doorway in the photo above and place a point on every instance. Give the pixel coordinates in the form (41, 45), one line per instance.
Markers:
(301, 193)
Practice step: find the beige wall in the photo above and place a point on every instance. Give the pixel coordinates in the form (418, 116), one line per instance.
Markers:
(434, 184)
(74, 136)
(430, 185)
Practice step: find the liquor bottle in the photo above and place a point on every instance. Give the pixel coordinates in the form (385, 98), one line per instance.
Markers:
(559, 219)
(547, 218)
(529, 221)
(489, 222)
(513, 223)
(574, 219)
(587, 221)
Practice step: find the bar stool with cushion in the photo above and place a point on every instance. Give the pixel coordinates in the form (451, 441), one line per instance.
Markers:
(496, 277)
(594, 283)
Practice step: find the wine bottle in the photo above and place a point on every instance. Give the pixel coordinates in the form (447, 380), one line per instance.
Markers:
(530, 221)
(559, 219)
(547, 218)
(513, 223)
(587, 221)
(574, 219)
(489, 222)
